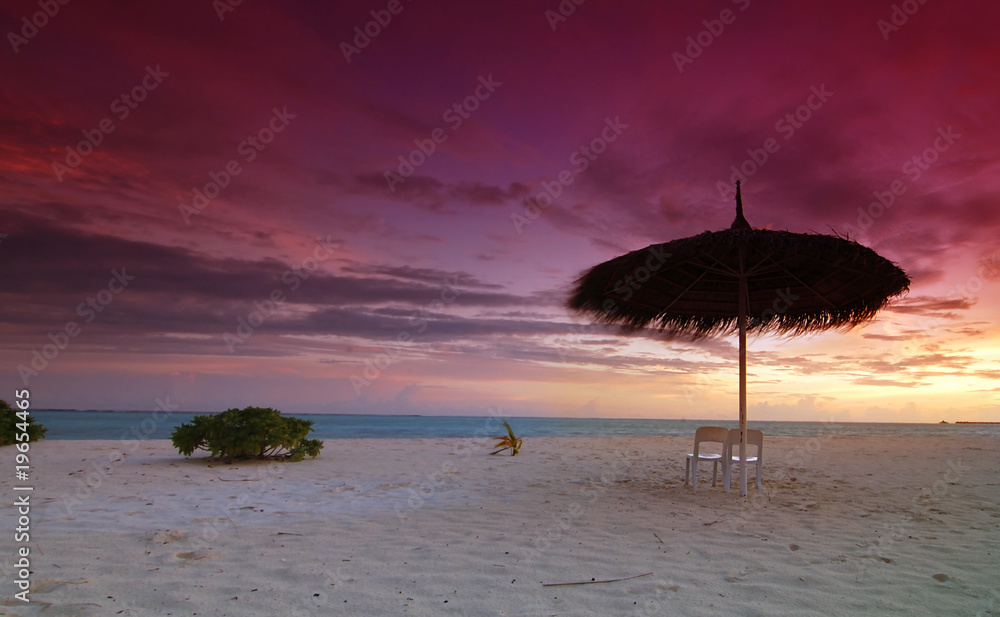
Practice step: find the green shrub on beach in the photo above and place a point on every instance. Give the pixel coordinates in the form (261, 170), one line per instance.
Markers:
(11, 425)
(252, 432)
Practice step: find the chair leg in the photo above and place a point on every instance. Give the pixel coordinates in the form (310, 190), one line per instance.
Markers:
(694, 475)
(715, 471)
(760, 475)
(727, 475)
(687, 471)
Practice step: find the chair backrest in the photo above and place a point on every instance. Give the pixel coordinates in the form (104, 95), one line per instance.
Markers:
(754, 438)
(711, 434)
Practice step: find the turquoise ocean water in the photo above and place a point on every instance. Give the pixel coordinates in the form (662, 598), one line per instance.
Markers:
(150, 425)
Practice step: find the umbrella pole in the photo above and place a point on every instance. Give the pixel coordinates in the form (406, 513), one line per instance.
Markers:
(743, 384)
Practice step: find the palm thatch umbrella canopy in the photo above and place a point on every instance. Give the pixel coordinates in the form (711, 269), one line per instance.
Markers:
(741, 280)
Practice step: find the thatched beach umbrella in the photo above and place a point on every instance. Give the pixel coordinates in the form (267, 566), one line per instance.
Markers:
(741, 280)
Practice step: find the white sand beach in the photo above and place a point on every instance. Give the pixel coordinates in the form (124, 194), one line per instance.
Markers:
(846, 526)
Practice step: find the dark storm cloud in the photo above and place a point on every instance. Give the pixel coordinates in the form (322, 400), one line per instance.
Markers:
(178, 290)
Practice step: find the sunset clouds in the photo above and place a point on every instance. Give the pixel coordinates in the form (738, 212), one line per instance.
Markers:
(409, 214)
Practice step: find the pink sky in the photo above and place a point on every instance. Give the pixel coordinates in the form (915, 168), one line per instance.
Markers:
(437, 286)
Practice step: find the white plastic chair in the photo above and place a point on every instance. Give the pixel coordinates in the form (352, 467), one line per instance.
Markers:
(754, 438)
(705, 434)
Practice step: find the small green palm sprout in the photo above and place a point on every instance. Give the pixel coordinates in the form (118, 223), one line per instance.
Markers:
(510, 441)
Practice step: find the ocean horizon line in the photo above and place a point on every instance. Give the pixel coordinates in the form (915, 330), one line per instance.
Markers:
(487, 415)
(106, 424)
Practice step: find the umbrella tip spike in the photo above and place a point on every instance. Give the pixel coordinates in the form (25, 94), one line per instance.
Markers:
(740, 222)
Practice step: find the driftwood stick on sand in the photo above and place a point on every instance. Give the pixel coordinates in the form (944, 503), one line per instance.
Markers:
(593, 582)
